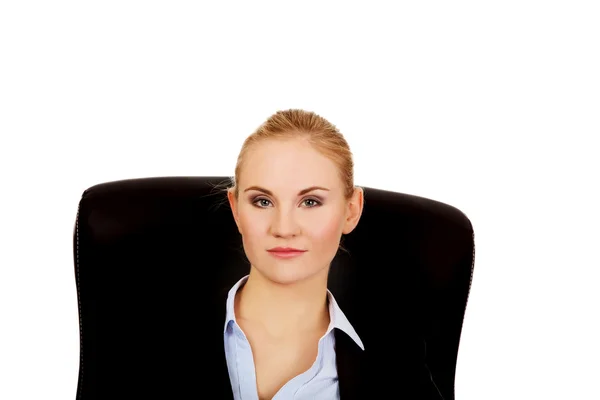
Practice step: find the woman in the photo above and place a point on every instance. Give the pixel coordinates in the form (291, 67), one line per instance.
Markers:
(293, 198)
(285, 337)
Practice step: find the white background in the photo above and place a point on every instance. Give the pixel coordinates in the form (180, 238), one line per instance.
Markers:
(492, 107)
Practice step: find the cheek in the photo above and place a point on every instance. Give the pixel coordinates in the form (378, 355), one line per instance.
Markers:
(326, 233)
(253, 229)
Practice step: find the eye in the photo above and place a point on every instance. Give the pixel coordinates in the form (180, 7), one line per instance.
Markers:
(316, 202)
(257, 202)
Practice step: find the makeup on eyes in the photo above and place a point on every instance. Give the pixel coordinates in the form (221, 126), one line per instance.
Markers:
(316, 199)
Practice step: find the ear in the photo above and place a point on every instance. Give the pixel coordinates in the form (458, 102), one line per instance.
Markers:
(233, 205)
(354, 210)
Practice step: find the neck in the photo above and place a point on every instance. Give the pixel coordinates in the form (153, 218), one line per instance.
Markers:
(284, 310)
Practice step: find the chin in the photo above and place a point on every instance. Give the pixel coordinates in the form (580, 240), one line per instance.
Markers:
(286, 274)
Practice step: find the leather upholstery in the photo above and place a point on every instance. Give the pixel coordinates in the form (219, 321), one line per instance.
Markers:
(155, 257)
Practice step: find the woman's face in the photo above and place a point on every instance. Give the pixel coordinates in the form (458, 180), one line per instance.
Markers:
(274, 209)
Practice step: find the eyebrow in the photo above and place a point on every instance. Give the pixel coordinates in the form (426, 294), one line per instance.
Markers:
(268, 192)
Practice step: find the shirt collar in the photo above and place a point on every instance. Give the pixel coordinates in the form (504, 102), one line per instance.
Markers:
(230, 314)
(337, 318)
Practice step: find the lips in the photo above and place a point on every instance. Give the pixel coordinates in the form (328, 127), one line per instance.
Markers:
(285, 252)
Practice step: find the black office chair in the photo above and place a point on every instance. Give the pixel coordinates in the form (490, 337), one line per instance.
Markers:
(151, 254)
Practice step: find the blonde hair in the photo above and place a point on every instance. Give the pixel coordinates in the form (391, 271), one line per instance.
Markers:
(307, 125)
(316, 130)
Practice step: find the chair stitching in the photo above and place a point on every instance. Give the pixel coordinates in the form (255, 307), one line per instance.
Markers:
(79, 304)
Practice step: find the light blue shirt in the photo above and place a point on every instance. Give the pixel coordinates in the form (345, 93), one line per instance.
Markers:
(320, 381)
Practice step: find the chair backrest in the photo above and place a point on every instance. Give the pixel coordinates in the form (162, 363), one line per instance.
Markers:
(148, 252)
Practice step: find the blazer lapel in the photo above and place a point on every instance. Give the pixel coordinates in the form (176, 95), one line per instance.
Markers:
(350, 361)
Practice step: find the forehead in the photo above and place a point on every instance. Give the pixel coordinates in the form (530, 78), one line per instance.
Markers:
(291, 163)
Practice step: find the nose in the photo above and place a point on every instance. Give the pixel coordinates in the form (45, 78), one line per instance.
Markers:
(284, 224)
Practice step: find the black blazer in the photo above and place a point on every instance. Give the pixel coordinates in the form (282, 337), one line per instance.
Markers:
(398, 372)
